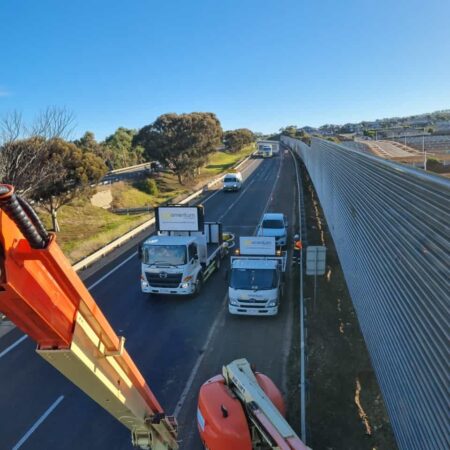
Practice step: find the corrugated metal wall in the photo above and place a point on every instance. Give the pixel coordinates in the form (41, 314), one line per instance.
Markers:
(391, 228)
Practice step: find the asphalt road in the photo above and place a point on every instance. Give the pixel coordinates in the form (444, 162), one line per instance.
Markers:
(177, 343)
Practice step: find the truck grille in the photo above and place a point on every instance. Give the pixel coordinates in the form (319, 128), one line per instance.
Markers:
(252, 303)
(164, 279)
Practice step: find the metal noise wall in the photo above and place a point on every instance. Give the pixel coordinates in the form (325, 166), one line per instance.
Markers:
(390, 225)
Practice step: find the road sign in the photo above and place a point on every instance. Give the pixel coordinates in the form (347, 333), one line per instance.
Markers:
(315, 260)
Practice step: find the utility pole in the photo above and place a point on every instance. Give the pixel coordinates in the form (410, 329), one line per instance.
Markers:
(424, 153)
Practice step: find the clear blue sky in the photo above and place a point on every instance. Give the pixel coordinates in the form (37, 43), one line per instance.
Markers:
(256, 64)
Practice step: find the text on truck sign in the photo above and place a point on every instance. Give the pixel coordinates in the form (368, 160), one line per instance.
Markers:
(253, 245)
(175, 218)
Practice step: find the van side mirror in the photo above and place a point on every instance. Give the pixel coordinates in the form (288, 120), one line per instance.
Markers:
(140, 251)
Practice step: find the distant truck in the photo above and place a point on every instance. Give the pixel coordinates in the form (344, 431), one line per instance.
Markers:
(257, 277)
(274, 224)
(267, 149)
(184, 252)
(264, 150)
(232, 181)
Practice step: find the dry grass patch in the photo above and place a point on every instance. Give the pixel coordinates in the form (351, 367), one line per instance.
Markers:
(86, 228)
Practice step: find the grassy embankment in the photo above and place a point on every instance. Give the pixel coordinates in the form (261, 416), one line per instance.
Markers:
(86, 228)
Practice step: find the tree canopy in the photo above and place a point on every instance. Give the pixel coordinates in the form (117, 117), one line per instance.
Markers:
(235, 140)
(181, 141)
(24, 164)
(120, 149)
(73, 171)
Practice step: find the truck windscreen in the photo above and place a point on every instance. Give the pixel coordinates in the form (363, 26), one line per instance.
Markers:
(230, 180)
(254, 280)
(172, 255)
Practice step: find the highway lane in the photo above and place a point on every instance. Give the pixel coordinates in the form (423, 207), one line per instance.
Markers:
(164, 335)
(264, 341)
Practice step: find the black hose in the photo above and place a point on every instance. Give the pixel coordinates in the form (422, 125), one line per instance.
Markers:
(31, 213)
(14, 210)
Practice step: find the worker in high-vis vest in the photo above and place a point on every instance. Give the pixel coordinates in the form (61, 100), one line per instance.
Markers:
(297, 249)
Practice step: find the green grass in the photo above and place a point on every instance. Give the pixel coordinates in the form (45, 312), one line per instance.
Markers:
(86, 228)
(221, 161)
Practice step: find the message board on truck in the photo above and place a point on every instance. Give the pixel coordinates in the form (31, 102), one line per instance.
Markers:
(179, 218)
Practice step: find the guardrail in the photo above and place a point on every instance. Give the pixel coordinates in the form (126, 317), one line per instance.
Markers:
(130, 168)
(390, 224)
(85, 262)
(139, 210)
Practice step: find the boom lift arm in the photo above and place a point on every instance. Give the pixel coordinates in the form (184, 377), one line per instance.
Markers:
(244, 409)
(45, 298)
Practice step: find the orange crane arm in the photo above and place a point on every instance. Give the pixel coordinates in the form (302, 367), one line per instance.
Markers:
(45, 298)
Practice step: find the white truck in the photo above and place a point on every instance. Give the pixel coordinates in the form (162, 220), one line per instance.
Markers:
(264, 150)
(184, 252)
(267, 151)
(257, 277)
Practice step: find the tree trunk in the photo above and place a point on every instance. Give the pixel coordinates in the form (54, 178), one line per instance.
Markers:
(55, 223)
(54, 214)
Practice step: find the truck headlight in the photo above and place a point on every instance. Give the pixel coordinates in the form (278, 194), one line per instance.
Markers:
(233, 301)
(184, 285)
(272, 303)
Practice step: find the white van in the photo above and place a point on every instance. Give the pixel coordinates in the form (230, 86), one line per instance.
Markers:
(232, 181)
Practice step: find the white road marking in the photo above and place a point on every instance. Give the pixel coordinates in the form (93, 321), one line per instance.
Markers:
(12, 346)
(38, 422)
(302, 322)
(190, 381)
(220, 190)
(237, 199)
(271, 194)
(92, 286)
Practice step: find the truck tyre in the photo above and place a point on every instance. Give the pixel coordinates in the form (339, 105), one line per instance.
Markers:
(218, 262)
(198, 286)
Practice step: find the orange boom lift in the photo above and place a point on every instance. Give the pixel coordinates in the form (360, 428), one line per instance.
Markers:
(45, 298)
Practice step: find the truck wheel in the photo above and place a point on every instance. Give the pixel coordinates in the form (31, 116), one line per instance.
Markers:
(198, 286)
(218, 262)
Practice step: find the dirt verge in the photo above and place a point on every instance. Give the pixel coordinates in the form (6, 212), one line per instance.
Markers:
(345, 409)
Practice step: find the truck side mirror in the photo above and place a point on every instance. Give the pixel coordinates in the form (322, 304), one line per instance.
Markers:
(140, 251)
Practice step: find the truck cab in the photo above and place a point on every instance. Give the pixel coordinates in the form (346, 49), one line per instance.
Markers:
(178, 261)
(267, 151)
(170, 265)
(256, 281)
(275, 225)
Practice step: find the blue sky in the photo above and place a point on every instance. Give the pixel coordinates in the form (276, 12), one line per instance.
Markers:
(256, 64)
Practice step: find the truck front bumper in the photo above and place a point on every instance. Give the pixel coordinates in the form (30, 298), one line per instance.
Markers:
(246, 311)
(147, 289)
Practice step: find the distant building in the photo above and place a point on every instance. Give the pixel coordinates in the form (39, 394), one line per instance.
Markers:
(442, 127)
(419, 122)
